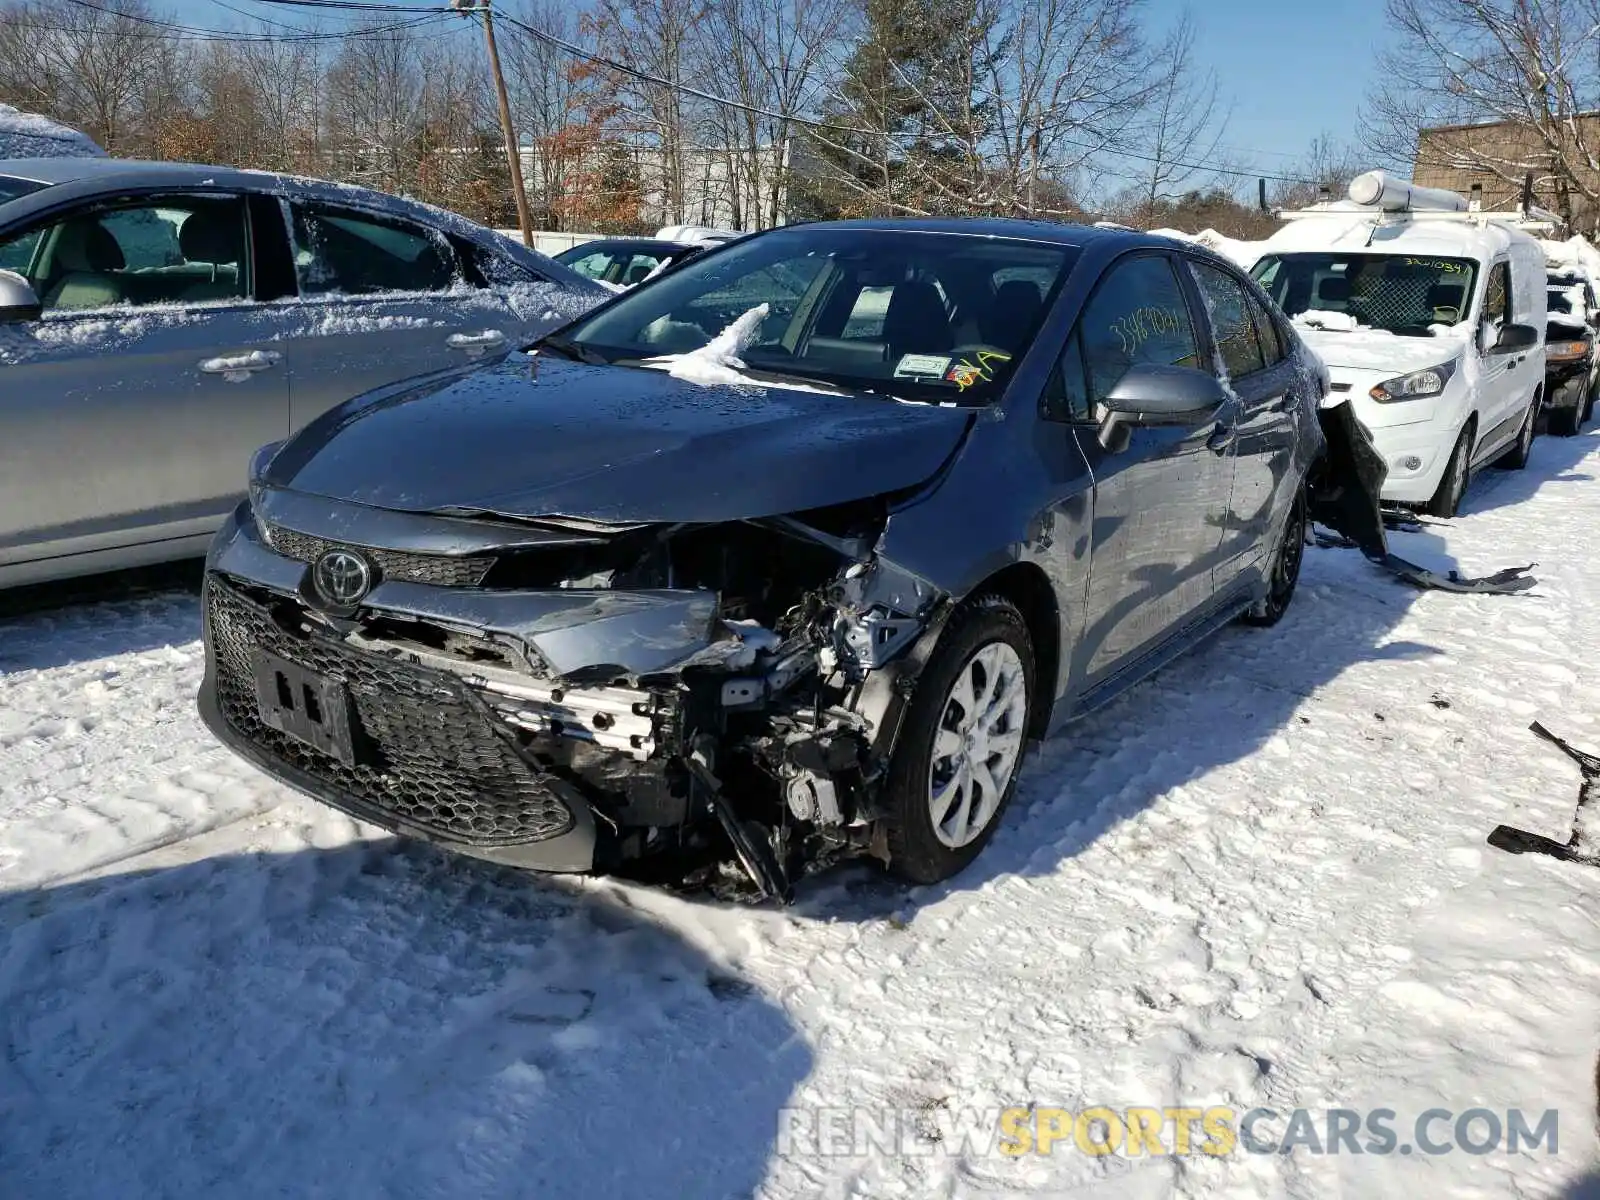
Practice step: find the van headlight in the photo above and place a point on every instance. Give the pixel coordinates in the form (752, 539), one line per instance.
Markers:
(1429, 381)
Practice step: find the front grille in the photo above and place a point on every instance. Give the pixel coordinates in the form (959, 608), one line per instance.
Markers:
(432, 756)
(441, 570)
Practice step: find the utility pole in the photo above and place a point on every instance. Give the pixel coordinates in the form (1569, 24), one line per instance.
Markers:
(513, 151)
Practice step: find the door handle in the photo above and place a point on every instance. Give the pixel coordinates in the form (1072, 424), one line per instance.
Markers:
(476, 343)
(1222, 439)
(237, 367)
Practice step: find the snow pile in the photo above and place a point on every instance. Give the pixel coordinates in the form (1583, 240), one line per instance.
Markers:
(1333, 322)
(1243, 253)
(718, 361)
(1576, 253)
(28, 135)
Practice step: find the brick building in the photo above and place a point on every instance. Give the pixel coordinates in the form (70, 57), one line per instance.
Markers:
(1495, 156)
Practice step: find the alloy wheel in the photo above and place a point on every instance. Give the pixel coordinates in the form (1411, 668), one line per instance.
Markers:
(978, 745)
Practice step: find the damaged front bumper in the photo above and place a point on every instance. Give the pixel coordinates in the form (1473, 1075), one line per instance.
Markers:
(561, 728)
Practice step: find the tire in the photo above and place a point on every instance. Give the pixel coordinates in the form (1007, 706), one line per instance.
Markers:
(986, 640)
(1516, 458)
(1565, 422)
(1446, 501)
(1286, 562)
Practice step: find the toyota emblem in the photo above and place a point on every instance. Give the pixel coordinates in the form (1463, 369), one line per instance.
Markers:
(342, 577)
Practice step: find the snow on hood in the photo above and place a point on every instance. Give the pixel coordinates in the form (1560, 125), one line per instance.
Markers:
(28, 135)
(1361, 349)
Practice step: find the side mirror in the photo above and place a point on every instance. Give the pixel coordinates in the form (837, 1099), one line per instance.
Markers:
(1151, 394)
(1515, 337)
(17, 301)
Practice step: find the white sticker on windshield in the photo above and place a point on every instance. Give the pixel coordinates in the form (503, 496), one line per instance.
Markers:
(922, 366)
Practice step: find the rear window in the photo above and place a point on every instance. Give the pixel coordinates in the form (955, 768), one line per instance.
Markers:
(12, 187)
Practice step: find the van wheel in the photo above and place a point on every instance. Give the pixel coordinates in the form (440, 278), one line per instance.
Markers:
(1446, 501)
(961, 747)
(1516, 458)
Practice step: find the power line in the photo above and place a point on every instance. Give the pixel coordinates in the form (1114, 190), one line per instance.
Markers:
(177, 32)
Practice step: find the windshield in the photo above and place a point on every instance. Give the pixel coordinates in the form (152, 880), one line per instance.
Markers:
(11, 187)
(917, 315)
(1404, 294)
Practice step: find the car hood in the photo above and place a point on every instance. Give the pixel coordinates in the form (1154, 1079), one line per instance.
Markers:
(613, 444)
(1379, 350)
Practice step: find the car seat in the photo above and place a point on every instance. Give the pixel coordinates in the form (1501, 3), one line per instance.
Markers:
(915, 321)
(1014, 312)
(214, 238)
(84, 260)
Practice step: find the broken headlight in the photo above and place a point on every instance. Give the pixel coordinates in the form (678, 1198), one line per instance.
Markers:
(1429, 381)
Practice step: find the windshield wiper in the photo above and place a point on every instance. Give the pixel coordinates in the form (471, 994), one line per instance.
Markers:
(568, 348)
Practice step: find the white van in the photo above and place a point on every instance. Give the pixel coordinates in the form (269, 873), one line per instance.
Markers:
(1431, 319)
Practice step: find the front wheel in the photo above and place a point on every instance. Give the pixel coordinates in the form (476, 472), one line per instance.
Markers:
(1446, 500)
(956, 766)
(1566, 421)
(1285, 568)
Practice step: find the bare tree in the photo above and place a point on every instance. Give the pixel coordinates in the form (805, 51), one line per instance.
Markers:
(1322, 173)
(100, 69)
(1532, 67)
(1185, 122)
(776, 58)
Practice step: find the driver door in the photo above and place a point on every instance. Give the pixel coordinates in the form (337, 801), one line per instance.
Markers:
(1161, 504)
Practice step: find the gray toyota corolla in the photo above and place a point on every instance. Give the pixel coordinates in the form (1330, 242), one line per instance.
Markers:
(783, 557)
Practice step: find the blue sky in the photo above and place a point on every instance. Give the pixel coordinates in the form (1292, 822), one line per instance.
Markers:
(1293, 69)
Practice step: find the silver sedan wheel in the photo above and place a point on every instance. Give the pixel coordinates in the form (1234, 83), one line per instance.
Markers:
(979, 744)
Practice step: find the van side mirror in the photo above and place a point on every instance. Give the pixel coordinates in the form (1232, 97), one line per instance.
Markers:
(1515, 337)
(1152, 394)
(17, 300)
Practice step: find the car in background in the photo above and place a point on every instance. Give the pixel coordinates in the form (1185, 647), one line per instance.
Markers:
(29, 135)
(1570, 362)
(783, 558)
(160, 322)
(626, 262)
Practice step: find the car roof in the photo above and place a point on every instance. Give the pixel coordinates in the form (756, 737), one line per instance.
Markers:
(634, 243)
(1051, 232)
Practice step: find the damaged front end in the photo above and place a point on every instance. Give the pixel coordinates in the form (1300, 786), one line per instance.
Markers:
(569, 696)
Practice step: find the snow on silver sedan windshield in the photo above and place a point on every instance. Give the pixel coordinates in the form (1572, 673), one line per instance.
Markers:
(928, 317)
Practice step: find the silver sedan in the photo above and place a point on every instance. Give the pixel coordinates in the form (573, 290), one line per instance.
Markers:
(161, 321)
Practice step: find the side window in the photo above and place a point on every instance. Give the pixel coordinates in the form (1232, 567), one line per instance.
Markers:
(345, 253)
(1497, 294)
(1272, 347)
(1232, 322)
(1137, 315)
(169, 251)
(1068, 397)
(593, 266)
(640, 267)
(497, 270)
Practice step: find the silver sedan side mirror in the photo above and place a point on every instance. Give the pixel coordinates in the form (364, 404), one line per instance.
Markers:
(17, 299)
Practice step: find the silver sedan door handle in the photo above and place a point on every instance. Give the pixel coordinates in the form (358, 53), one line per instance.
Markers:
(476, 343)
(237, 367)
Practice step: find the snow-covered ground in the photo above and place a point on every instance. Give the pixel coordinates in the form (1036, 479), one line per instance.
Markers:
(1259, 880)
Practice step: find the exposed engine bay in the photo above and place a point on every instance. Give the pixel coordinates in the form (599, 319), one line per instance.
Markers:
(747, 671)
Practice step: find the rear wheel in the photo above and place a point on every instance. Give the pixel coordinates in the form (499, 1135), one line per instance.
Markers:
(1516, 458)
(1285, 568)
(1446, 501)
(956, 766)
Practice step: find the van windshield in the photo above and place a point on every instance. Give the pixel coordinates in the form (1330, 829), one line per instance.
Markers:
(1404, 294)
